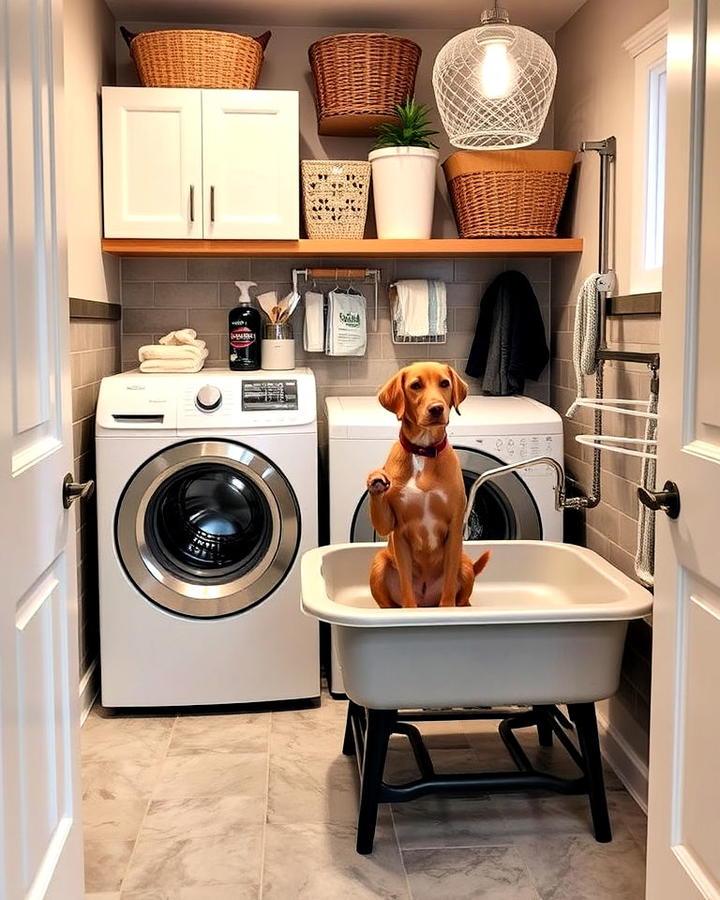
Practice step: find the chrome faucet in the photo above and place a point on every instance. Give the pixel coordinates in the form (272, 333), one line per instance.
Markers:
(560, 500)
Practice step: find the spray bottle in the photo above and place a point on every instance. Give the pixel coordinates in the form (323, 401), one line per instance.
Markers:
(244, 332)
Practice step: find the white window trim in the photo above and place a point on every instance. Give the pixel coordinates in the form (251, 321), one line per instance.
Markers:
(648, 48)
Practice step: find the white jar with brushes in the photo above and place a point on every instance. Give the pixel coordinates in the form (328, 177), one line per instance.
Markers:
(278, 343)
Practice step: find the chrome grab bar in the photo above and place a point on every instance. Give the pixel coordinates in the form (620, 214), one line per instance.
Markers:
(560, 500)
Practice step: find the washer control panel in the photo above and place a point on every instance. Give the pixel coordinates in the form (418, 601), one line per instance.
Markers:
(517, 448)
(258, 396)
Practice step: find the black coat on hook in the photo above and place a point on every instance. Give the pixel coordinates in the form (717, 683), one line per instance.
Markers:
(509, 344)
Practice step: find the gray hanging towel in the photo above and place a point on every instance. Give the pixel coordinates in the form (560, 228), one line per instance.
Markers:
(509, 344)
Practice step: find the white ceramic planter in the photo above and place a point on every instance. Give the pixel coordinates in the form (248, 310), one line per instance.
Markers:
(404, 191)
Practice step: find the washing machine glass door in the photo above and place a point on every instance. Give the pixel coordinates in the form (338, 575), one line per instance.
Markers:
(503, 510)
(207, 528)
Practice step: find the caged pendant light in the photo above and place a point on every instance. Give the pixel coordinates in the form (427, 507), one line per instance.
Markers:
(494, 84)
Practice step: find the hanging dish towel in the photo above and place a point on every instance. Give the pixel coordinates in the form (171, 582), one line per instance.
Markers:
(346, 329)
(585, 338)
(420, 308)
(510, 343)
(314, 329)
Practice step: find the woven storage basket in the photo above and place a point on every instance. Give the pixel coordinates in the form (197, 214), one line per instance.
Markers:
(508, 193)
(197, 59)
(360, 79)
(335, 197)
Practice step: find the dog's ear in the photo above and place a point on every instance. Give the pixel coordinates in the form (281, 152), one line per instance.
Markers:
(392, 395)
(459, 389)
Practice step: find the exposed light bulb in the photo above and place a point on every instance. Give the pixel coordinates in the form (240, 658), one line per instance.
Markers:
(496, 71)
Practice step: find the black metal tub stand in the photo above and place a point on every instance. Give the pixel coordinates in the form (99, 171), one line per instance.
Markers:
(368, 731)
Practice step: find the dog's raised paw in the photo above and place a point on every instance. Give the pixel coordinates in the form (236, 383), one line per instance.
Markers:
(377, 482)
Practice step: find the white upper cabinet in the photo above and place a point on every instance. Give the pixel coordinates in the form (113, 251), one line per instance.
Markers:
(189, 163)
(152, 162)
(250, 163)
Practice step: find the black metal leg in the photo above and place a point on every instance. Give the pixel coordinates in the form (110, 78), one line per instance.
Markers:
(583, 715)
(348, 747)
(380, 724)
(544, 725)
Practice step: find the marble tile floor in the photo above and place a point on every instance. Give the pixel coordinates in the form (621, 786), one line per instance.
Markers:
(240, 806)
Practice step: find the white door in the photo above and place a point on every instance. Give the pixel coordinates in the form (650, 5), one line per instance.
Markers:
(152, 163)
(250, 164)
(684, 838)
(40, 834)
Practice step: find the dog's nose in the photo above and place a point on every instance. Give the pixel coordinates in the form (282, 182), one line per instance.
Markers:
(437, 409)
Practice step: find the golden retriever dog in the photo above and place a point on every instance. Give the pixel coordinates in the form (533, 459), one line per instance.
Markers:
(418, 499)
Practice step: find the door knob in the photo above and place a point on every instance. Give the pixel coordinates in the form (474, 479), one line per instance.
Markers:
(667, 500)
(76, 490)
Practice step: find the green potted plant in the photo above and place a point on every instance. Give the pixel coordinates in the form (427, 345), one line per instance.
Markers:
(404, 166)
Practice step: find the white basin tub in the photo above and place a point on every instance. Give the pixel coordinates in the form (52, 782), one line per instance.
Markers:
(546, 624)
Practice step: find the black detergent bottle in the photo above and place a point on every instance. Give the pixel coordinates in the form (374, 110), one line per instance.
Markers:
(244, 332)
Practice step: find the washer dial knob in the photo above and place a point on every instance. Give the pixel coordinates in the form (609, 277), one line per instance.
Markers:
(208, 398)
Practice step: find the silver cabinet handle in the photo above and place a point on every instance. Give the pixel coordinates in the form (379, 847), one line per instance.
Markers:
(212, 202)
(192, 202)
(75, 490)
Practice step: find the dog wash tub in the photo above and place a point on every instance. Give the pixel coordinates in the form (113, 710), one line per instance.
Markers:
(546, 624)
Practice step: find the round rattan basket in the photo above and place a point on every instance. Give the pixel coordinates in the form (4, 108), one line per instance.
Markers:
(197, 59)
(335, 197)
(360, 79)
(508, 193)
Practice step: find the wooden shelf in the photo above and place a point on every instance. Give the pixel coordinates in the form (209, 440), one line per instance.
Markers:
(346, 248)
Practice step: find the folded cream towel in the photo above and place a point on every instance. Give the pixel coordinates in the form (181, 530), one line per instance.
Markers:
(421, 307)
(172, 365)
(181, 336)
(196, 351)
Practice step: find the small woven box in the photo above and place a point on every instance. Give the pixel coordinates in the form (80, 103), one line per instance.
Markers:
(335, 197)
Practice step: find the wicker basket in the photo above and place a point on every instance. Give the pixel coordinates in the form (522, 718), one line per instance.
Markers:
(197, 59)
(508, 193)
(360, 79)
(335, 197)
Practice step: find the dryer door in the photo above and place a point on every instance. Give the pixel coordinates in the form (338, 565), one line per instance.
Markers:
(503, 510)
(207, 528)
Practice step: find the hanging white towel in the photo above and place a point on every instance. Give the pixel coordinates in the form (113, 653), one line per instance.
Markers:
(585, 338)
(314, 329)
(346, 328)
(420, 308)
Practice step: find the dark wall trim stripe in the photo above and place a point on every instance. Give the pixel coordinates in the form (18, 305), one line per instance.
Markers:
(93, 309)
(635, 305)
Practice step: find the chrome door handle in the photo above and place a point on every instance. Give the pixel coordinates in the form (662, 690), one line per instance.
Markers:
(192, 202)
(212, 202)
(76, 490)
(667, 500)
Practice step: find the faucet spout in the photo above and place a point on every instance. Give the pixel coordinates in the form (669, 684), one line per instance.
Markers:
(513, 467)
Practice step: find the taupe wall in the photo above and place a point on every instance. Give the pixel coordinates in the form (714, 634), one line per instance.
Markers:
(286, 67)
(594, 99)
(89, 63)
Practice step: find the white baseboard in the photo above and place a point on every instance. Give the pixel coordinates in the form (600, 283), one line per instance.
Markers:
(627, 765)
(88, 690)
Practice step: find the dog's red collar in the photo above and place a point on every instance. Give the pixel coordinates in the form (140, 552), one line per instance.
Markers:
(431, 450)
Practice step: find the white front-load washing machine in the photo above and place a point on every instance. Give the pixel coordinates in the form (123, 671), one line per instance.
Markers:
(488, 432)
(207, 498)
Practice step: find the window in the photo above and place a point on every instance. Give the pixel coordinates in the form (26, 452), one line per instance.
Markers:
(648, 49)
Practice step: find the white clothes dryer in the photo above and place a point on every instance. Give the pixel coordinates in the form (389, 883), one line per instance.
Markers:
(207, 498)
(489, 432)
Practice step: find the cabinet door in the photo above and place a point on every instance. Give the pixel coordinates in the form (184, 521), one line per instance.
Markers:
(250, 164)
(152, 162)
